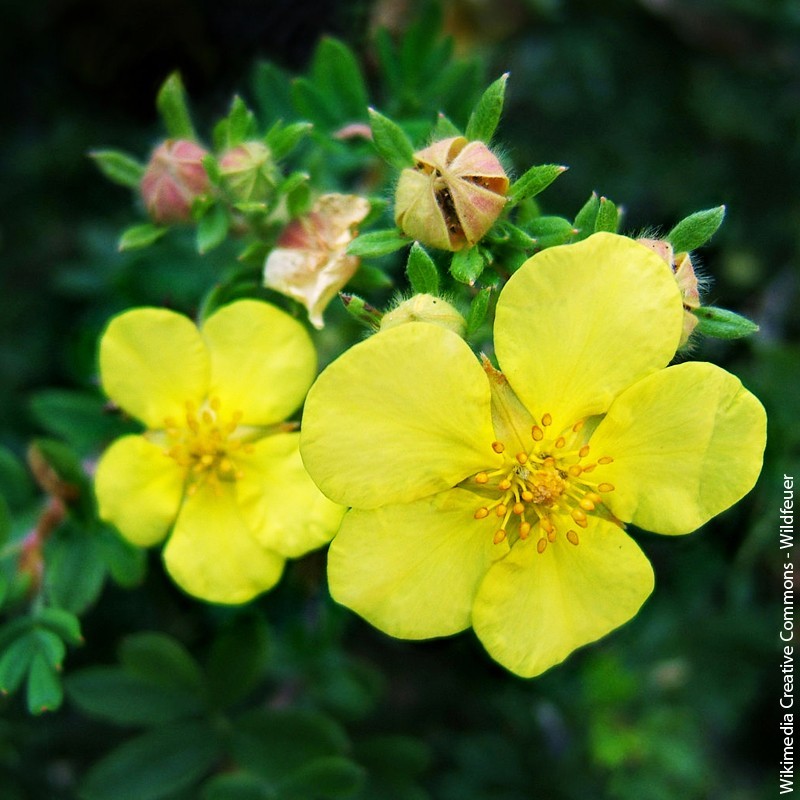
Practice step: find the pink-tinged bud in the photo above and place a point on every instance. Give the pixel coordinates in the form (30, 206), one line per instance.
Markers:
(174, 177)
(452, 196)
(686, 278)
(249, 172)
(310, 263)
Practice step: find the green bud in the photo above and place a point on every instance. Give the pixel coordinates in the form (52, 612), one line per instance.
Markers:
(425, 308)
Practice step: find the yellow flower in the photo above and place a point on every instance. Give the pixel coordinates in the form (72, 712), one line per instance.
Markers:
(214, 466)
(497, 500)
(310, 263)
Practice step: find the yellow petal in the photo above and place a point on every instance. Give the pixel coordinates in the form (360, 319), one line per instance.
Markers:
(151, 362)
(213, 555)
(412, 570)
(279, 500)
(138, 489)
(577, 324)
(533, 609)
(402, 415)
(687, 443)
(262, 361)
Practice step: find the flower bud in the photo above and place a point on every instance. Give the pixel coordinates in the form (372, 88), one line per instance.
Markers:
(452, 196)
(249, 172)
(686, 278)
(310, 262)
(425, 308)
(174, 177)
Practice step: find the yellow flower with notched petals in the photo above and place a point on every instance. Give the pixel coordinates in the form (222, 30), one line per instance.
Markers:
(497, 500)
(215, 465)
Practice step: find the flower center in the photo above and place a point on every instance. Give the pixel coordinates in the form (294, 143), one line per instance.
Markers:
(551, 485)
(204, 444)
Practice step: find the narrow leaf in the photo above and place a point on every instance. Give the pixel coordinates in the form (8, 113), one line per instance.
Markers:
(550, 231)
(212, 228)
(15, 662)
(484, 119)
(421, 270)
(723, 324)
(118, 167)
(161, 660)
(62, 622)
(478, 309)
(336, 71)
(585, 219)
(391, 142)
(533, 181)
(174, 109)
(696, 229)
(607, 216)
(467, 265)
(377, 243)
(139, 236)
(45, 692)
(282, 139)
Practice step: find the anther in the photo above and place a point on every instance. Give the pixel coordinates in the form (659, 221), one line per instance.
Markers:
(501, 510)
(546, 420)
(499, 536)
(589, 467)
(482, 513)
(584, 451)
(498, 447)
(605, 460)
(551, 536)
(587, 505)
(546, 524)
(560, 442)
(519, 508)
(605, 487)
(572, 536)
(537, 433)
(575, 470)
(527, 496)
(578, 425)
(504, 485)
(524, 530)
(522, 458)
(578, 515)
(595, 498)
(481, 477)
(541, 545)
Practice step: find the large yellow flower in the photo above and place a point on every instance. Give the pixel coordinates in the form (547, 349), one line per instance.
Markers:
(215, 466)
(497, 500)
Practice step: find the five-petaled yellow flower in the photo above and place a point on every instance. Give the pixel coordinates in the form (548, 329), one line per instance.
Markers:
(498, 499)
(215, 465)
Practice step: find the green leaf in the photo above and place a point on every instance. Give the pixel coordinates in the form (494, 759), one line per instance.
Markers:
(368, 278)
(45, 692)
(238, 658)
(241, 123)
(119, 167)
(388, 62)
(125, 562)
(275, 743)
(391, 141)
(154, 765)
(5, 525)
(585, 219)
(75, 570)
(377, 243)
(15, 662)
(161, 660)
(62, 622)
(115, 695)
(445, 128)
(139, 236)
(313, 103)
(723, 324)
(325, 778)
(467, 265)
(361, 311)
(607, 216)
(477, 310)
(507, 233)
(485, 118)
(271, 92)
(421, 270)
(696, 229)
(533, 181)
(51, 646)
(77, 417)
(174, 109)
(237, 786)
(212, 228)
(550, 231)
(336, 72)
(282, 139)
(15, 482)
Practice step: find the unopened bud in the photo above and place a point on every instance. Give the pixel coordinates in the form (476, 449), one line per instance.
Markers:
(452, 196)
(686, 278)
(174, 177)
(425, 308)
(249, 172)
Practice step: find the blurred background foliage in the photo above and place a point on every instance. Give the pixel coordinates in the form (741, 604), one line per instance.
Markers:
(666, 106)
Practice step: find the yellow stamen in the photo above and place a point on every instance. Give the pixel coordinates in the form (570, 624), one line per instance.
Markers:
(522, 458)
(560, 442)
(584, 451)
(519, 508)
(541, 545)
(481, 477)
(524, 530)
(498, 447)
(605, 487)
(572, 536)
(499, 536)
(605, 460)
(547, 420)
(537, 433)
(501, 510)
(482, 513)
(575, 470)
